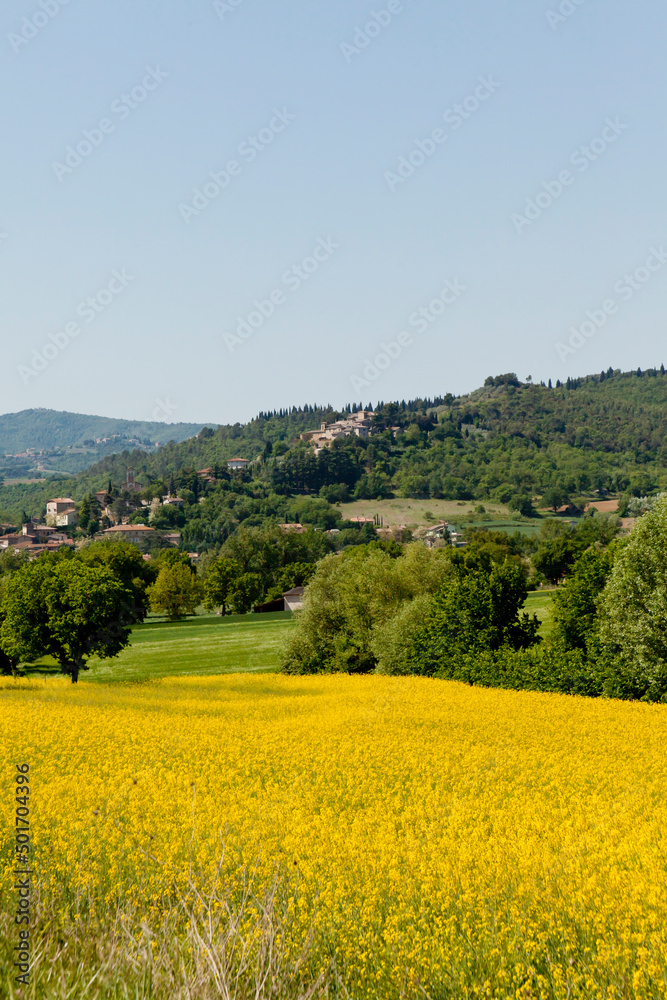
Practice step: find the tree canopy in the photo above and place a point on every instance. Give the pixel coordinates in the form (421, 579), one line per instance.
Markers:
(66, 609)
(633, 609)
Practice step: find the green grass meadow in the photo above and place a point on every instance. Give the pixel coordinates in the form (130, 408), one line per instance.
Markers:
(212, 644)
(205, 644)
(539, 604)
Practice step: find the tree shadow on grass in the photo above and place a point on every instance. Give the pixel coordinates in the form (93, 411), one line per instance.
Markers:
(44, 669)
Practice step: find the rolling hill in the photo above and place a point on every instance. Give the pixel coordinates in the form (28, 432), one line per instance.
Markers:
(40, 440)
(505, 440)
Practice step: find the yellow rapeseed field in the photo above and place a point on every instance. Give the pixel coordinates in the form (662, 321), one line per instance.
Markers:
(446, 841)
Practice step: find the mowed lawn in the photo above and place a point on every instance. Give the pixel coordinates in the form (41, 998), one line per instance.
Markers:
(207, 644)
(539, 603)
(212, 644)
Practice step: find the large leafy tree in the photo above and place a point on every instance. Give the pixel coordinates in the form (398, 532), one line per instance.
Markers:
(219, 583)
(575, 608)
(127, 564)
(246, 592)
(475, 611)
(8, 663)
(66, 609)
(633, 611)
(554, 557)
(555, 497)
(350, 597)
(176, 592)
(269, 550)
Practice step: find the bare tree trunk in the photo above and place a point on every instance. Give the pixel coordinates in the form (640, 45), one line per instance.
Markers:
(72, 668)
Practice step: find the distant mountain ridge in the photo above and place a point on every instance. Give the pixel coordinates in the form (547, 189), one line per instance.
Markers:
(44, 430)
(505, 441)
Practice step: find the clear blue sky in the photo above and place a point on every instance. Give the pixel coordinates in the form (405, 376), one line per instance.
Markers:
(171, 91)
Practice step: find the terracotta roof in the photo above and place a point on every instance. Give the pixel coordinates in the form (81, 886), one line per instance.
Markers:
(128, 528)
(61, 500)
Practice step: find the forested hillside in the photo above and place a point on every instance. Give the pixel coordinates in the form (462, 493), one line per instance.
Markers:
(609, 412)
(506, 440)
(71, 442)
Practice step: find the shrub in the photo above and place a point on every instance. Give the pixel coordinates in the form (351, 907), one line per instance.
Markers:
(541, 668)
(352, 595)
(474, 611)
(393, 643)
(575, 612)
(633, 612)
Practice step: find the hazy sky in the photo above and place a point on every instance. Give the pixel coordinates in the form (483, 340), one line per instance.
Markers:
(214, 208)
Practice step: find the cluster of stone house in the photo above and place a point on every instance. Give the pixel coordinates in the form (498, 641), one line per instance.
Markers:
(233, 464)
(134, 533)
(61, 513)
(358, 423)
(35, 538)
(443, 531)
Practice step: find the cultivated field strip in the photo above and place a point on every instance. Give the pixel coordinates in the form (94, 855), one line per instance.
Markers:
(441, 840)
